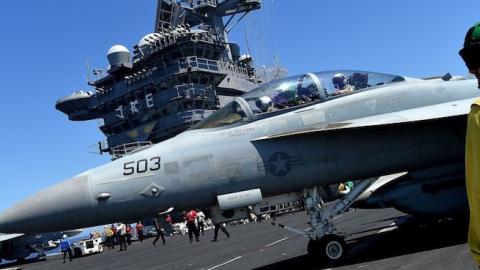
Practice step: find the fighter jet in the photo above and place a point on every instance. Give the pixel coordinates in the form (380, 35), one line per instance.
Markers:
(20, 246)
(280, 143)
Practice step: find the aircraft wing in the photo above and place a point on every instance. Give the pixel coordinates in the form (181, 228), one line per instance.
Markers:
(5, 237)
(446, 110)
(73, 232)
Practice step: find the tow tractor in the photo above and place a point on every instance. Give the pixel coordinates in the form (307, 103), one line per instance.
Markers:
(86, 247)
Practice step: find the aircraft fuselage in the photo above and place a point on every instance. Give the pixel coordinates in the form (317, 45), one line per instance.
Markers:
(310, 146)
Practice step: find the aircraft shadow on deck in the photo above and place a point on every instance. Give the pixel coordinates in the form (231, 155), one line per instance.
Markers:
(33, 260)
(412, 236)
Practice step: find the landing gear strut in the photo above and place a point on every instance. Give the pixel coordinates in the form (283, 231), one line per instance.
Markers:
(41, 252)
(325, 240)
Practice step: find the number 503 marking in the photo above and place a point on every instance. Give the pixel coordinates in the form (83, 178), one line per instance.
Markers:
(141, 166)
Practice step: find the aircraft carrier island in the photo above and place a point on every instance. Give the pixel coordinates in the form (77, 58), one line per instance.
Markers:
(178, 75)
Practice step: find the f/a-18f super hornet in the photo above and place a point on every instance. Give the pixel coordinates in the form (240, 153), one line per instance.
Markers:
(19, 246)
(280, 143)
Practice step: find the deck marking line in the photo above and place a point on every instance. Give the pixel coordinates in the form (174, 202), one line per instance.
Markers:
(276, 242)
(339, 216)
(227, 262)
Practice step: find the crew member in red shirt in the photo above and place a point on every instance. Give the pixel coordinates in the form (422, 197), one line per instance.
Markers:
(191, 217)
(139, 229)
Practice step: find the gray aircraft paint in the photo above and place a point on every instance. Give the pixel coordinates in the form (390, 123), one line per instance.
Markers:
(316, 145)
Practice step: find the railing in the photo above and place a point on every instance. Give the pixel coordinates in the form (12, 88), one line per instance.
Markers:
(204, 3)
(230, 67)
(163, 126)
(100, 122)
(174, 37)
(159, 101)
(128, 148)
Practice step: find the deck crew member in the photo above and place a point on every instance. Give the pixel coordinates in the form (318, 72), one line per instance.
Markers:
(108, 237)
(220, 226)
(471, 55)
(122, 236)
(66, 248)
(201, 222)
(191, 217)
(159, 232)
(139, 229)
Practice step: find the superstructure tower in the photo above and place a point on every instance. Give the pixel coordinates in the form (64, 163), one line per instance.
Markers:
(176, 76)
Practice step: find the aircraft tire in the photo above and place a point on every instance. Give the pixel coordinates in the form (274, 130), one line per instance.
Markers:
(331, 248)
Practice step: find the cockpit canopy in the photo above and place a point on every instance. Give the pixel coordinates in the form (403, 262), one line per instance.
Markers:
(290, 93)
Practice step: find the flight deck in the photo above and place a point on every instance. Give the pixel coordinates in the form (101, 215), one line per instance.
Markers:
(382, 239)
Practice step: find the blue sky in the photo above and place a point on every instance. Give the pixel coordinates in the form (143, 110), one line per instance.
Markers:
(45, 45)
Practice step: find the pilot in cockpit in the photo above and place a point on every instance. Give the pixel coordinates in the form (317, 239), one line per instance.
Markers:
(341, 85)
(359, 80)
(264, 104)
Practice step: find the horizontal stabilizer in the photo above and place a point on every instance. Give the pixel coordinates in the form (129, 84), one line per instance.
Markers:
(436, 112)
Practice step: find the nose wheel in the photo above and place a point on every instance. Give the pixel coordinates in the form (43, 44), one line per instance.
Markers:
(331, 247)
(325, 240)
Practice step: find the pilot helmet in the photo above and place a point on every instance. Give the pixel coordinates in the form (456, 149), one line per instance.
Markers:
(264, 103)
(64, 236)
(339, 81)
(471, 47)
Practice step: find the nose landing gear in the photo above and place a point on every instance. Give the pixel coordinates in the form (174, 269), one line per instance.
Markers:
(325, 240)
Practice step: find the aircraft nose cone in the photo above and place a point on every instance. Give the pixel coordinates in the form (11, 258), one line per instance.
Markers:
(57, 208)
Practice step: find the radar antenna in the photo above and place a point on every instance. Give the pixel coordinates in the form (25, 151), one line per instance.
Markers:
(169, 14)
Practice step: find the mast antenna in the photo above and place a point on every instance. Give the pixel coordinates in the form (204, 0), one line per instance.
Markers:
(246, 40)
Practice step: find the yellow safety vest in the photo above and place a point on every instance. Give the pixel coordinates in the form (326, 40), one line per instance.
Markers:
(472, 173)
